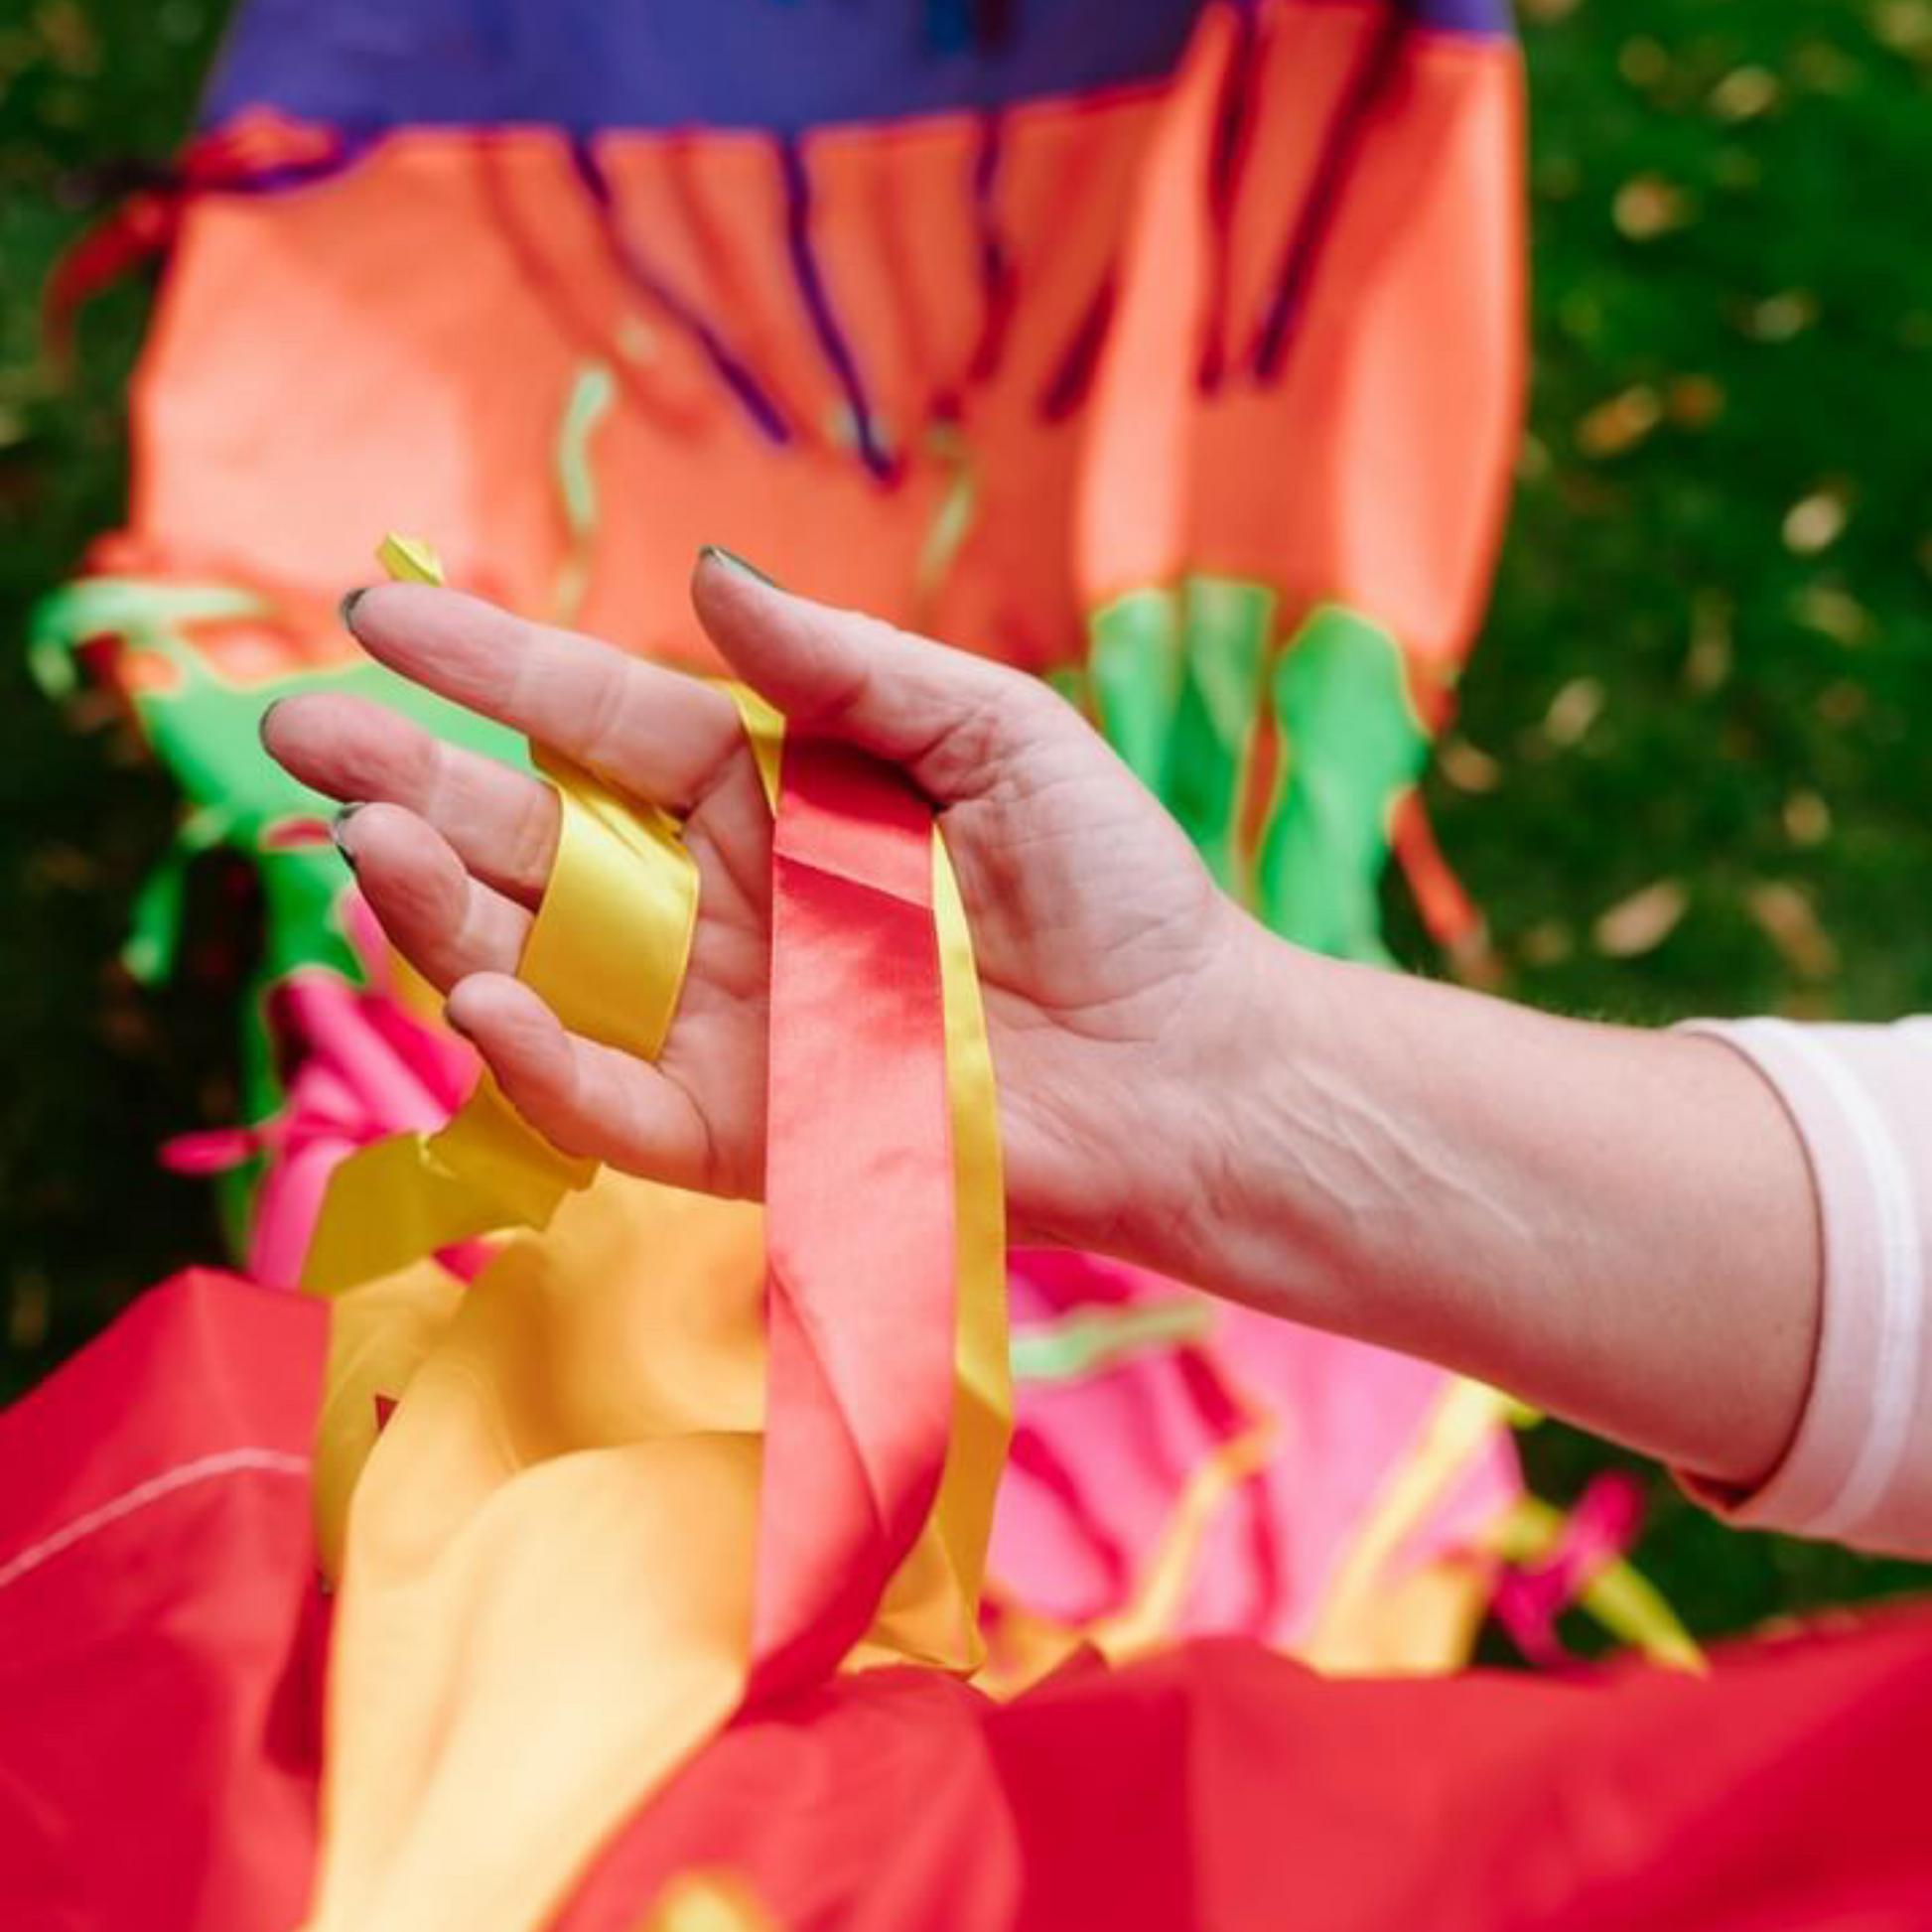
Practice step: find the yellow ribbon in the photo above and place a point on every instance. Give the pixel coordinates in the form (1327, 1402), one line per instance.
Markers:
(607, 951)
(550, 1548)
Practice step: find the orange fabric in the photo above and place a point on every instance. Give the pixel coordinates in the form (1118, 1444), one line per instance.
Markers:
(474, 369)
(1132, 525)
(1373, 470)
(1377, 472)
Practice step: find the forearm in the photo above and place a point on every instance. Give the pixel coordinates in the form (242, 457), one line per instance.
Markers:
(1616, 1225)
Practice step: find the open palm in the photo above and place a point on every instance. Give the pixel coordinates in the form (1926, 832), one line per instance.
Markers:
(1110, 965)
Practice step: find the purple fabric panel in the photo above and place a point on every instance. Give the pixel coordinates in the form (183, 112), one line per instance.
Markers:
(778, 65)
(1488, 17)
(587, 65)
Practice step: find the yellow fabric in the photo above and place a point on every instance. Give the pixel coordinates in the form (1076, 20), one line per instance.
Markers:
(378, 1336)
(1030, 1646)
(547, 1588)
(607, 951)
(1153, 1616)
(764, 731)
(1350, 1634)
(547, 1554)
(609, 943)
(708, 1901)
(409, 560)
(983, 1399)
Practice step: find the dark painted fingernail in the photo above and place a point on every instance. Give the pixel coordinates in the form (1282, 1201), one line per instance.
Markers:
(268, 711)
(346, 610)
(339, 825)
(717, 553)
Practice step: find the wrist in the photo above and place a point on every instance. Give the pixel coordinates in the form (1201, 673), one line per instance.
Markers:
(1303, 1132)
(1222, 1207)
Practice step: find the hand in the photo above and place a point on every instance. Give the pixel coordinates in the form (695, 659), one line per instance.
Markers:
(1113, 971)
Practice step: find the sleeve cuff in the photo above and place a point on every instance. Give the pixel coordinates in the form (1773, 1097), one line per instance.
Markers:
(1858, 1470)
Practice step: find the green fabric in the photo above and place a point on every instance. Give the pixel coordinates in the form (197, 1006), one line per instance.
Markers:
(1086, 1342)
(953, 518)
(1072, 682)
(121, 606)
(207, 729)
(592, 392)
(153, 925)
(1224, 641)
(1350, 745)
(1133, 676)
(1178, 678)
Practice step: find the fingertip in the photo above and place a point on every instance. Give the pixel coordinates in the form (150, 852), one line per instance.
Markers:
(458, 645)
(280, 725)
(294, 732)
(342, 836)
(359, 606)
(362, 828)
(715, 557)
(774, 638)
(725, 590)
(378, 615)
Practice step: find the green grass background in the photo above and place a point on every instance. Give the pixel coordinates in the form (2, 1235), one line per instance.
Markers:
(1700, 687)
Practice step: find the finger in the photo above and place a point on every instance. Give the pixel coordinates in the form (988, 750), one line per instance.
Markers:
(947, 716)
(583, 1097)
(653, 732)
(501, 823)
(442, 920)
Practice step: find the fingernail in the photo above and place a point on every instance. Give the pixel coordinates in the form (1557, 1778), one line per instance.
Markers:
(339, 828)
(717, 553)
(456, 1025)
(268, 711)
(346, 610)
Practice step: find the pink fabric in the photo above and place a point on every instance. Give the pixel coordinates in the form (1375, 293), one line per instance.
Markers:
(1100, 1459)
(1531, 1598)
(363, 1067)
(1860, 1467)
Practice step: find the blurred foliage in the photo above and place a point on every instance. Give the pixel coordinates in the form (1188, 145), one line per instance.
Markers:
(93, 1071)
(1682, 779)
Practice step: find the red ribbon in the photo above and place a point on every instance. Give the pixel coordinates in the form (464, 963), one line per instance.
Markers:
(859, 1202)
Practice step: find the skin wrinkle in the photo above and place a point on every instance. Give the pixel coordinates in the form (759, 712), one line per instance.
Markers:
(1369, 1185)
(1389, 1158)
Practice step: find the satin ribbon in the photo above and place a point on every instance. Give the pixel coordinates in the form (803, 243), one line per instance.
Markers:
(607, 951)
(851, 834)
(585, 1412)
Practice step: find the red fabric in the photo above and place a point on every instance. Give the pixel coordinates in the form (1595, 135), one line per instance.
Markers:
(159, 1736)
(254, 147)
(159, 1631)
(857, 1208)
(1223, 1789)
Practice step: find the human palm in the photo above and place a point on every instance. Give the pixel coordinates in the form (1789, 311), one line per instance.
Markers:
(1109, 964)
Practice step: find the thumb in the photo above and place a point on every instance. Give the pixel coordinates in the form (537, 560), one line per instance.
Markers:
(947, 717)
